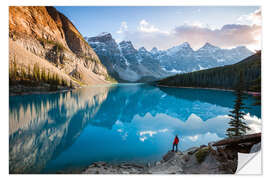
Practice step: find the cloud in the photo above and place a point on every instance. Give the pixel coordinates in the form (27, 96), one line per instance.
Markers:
(120, 130)
(254, 123)
(150, 133)
(144, 26)
(123, 27)
(201, 138)
(143, 139)
(228, 36)
(197, 34)
(252, 18)
(193, 138)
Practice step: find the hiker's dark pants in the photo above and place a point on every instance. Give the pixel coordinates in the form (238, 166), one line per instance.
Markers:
(175, 145)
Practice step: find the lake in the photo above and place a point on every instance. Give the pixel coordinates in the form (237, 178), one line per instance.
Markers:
(115, 123)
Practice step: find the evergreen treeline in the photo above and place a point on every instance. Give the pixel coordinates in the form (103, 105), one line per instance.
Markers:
(35, 76)
(221, 77)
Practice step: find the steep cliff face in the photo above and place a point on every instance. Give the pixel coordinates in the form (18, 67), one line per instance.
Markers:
(50, 36)
(123, 61)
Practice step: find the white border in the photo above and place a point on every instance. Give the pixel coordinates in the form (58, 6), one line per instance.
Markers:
(135, 2)
(4, 76)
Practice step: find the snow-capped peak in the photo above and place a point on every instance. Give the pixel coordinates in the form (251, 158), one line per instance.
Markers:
(102, 37)
(182, 47)
(104, 34)
(154, 50)
(142, 49)
(126, 44)
(185, 44)
(208, 47)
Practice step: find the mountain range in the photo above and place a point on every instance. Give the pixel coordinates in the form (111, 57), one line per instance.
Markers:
(125, 63)
(246, 73)
(44, 44)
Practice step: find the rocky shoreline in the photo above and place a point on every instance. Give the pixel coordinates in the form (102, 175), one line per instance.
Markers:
(210, 159)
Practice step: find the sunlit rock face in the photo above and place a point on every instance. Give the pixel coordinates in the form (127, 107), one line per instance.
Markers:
(42, 35)
(40, 124)
(125, 122)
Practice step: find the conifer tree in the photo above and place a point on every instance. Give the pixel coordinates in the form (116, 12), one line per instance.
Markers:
(15, 69)
(71, 84)
(237, 123)
(43, 75)
(49, 77)
(23, 73)
(63, 82)
(29, 72)
(11, 73)
(35, 72)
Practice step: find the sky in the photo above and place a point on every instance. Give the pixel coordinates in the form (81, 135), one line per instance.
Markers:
(165, 27)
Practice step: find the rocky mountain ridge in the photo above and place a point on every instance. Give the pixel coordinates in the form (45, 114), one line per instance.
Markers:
(123, 61)
(183, 59)
(131, 64)
(50, 36)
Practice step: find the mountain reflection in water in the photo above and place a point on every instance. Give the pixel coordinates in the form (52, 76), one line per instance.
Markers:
(134, 122)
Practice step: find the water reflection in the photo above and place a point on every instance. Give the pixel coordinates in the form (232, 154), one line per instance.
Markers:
(41, 126)
(219, 98)
(113, 123)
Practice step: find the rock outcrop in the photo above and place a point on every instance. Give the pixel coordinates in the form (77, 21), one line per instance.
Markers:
(51, 39)
(209, 159)
(213, 162)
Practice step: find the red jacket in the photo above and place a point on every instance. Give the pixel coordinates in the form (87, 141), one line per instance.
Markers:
(176, 140)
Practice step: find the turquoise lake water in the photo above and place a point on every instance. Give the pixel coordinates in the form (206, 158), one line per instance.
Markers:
(125, 122)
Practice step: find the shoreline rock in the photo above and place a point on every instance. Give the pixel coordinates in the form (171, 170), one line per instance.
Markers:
(209, 159)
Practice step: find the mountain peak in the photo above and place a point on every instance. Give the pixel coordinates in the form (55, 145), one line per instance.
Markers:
(126, 45)
(104, 34)
(142, 49)
(182, 47)
(154, 50)
(208, 46)
(185, 44)
(102, 37)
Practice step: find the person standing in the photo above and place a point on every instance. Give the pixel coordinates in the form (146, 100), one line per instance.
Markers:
(175, 143)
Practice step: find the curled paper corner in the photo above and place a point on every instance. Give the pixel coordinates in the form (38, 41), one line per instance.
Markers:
(249, 163)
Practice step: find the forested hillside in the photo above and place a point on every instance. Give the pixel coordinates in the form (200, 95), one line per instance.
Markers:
(225, 77)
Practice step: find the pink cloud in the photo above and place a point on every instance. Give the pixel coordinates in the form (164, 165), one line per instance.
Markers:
(228, 36)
